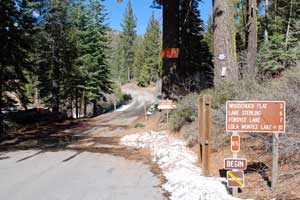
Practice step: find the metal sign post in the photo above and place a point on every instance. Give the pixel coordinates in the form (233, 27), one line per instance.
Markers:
(235, 148)
(275, 161)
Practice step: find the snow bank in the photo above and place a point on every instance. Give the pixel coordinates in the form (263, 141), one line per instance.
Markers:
(184, 180)
(124, 107)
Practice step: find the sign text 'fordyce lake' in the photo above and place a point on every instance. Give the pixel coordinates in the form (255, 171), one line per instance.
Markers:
(255, 116)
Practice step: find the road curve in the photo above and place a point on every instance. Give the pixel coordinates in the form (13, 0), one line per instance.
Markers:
(92, 167)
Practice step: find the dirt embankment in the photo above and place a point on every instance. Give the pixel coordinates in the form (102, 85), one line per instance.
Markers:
(257, 149)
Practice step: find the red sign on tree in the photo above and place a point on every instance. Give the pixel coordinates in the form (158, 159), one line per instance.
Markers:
(170, 53)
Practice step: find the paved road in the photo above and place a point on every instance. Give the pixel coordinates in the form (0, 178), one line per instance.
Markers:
(84, 170)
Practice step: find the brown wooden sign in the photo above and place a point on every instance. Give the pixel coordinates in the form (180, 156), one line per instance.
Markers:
(235, 163)
(167, 105)
(235, 179)
(235, 143)
(255, 116)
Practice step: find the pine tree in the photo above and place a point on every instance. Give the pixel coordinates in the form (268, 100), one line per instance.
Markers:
(76, 78)
(195, 60)
(55, 59)
(114, 54)
(152, 46)
(127, 41)
(93, 60)
(139, 60)
(209, 35)
(281, 50)
(16, 30)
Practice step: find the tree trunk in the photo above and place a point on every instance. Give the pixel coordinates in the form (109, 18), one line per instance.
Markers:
(76, 106)
(85, 108)
(71, 106)
(275, 13)
(251, 36)
(55, 82)
(94, 108)
(267, 21)
(56, 67)
(36, 97)
(225, 64)
(55, 107)
(287, 35)
(36, 94)
(128, 73)
(170, 40)
(82, 103)
(1, 106)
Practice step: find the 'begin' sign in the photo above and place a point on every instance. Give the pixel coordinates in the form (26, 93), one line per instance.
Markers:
(255, 116)
(235, 163)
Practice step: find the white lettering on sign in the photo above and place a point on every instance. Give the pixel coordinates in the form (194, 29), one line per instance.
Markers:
(255, 116)
(235, 163)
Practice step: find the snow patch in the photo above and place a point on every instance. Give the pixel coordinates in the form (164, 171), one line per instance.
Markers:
(184, 180)
(124, 107)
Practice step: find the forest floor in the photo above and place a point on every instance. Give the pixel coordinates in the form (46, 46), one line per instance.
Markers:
(258, 175)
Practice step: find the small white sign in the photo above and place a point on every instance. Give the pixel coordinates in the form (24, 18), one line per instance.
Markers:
(222, 57)
(223, 72)
(167, 105)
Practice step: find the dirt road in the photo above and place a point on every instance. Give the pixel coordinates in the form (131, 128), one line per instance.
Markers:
(80, 161)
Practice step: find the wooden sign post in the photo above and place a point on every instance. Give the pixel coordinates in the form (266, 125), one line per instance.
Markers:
(257, 116)
(204, 124)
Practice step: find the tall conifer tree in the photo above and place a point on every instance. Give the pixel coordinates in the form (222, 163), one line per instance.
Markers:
(16, 29)
(195, 61)
(127, 41)
(151, 68)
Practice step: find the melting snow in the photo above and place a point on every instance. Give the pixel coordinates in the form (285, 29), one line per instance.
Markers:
(124, 107)
(184, 180)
